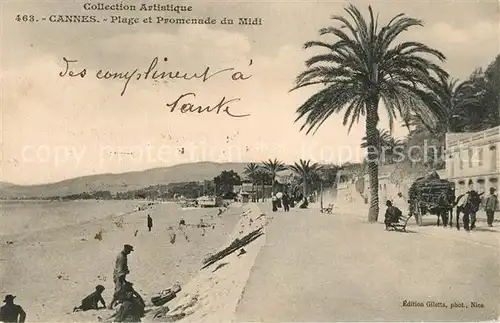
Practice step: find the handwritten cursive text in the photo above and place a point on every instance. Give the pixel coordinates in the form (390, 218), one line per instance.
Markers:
(186, 107)
(154, 74)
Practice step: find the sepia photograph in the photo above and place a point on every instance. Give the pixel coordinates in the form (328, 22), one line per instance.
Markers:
(249, 161)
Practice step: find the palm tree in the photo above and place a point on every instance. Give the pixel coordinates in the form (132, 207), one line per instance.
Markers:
(385, 143)
(251, 173)
(363, 67)
(457, 99)
(274, 167)
(306, 173)
(454, 99)
(263, 177)
(382, 140)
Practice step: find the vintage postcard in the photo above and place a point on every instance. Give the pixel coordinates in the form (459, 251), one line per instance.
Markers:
(241, 161)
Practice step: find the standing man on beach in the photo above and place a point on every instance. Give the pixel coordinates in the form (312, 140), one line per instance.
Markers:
(121, 271)
(150, 222)
(10, 312)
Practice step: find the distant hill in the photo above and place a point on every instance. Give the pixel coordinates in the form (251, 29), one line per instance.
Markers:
(122, 182)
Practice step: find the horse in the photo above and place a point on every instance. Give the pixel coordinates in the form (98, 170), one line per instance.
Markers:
(468, 204)
(443, 209)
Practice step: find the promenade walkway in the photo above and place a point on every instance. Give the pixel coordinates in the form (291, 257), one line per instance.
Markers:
(317, 267)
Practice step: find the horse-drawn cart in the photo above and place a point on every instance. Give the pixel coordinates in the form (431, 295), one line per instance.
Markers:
(431, 195)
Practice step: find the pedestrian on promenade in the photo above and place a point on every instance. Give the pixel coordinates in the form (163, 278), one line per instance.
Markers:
(491, 206)
(286, 202)
(274, 201)
(392, 215)
(472, 206)
(279, 196)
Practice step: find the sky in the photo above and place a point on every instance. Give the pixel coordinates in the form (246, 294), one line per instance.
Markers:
(55, 128)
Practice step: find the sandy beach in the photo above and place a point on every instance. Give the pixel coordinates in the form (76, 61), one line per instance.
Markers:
(51, 269)
(50, 259)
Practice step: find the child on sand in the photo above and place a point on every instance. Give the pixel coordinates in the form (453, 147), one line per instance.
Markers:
(91, 302)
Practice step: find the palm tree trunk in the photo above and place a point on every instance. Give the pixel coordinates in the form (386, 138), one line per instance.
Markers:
(263, 187)
(321, 196)
(305, 190)
(272, 186)
(371, 134)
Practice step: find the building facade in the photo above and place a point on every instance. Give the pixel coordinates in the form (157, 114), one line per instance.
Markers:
(473, 160)
(387, 190)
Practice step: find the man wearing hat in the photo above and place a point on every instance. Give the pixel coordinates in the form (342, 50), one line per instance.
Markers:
(491, 206)
(121, 271)
(10, 312)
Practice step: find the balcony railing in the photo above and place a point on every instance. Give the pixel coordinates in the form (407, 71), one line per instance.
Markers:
(485, 134)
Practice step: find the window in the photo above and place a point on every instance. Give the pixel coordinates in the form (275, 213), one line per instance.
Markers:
(480, 156)
(494, 158)
(461, 186)
(469, 152)
(460, 161)
(494, 183)
(481, 184)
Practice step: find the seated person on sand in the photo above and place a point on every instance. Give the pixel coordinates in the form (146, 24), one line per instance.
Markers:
(392, 214)
(131, 310)
(91, 302)
(128, 288)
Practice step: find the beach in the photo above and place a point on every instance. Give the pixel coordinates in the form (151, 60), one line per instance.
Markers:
(306, 265)
(50, 259)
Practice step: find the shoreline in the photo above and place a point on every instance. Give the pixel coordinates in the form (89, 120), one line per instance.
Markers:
(214, 293)
(62, 265)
